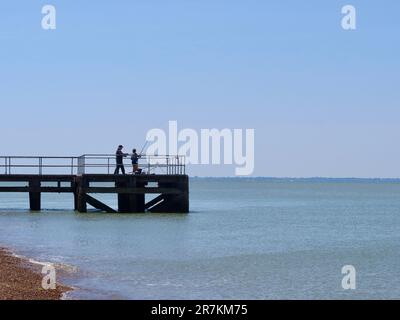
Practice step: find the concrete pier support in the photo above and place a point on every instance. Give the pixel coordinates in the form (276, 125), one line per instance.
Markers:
(34, 197)
(130, 203)
(140, 199)
(82, 204)
(80, 194)
(74, 186)
(75, 201)
(174, 203)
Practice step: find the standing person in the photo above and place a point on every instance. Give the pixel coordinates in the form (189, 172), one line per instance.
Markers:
(120, 160)
(135, 161)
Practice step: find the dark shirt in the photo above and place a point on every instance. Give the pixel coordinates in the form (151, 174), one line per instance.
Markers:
(135, 158)
(119, 156)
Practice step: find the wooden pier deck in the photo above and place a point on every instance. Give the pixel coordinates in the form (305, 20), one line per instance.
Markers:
(170, 191)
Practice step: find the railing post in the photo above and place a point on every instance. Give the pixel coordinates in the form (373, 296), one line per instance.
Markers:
(81, 165)
(167, 165)
(40, 166)
(175, 165)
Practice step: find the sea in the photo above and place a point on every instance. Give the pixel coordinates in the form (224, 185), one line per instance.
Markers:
(244, 238)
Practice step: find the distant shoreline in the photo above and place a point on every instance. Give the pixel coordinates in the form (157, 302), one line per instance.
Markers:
(22, 280)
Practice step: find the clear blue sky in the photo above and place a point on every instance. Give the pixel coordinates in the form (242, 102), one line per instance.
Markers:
(323, 101)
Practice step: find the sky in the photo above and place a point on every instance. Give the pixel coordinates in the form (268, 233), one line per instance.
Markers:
(324, 102)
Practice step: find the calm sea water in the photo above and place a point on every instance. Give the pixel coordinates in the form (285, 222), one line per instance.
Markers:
(244, 239)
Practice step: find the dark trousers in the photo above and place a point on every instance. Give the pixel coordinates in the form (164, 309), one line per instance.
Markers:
(119, 166)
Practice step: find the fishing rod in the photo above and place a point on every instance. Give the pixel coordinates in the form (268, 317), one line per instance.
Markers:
(145, 145)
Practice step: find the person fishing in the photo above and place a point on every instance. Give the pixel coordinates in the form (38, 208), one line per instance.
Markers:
(120, 160)
(135, 161)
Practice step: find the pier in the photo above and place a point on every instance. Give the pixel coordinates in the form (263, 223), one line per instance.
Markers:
(163, 180)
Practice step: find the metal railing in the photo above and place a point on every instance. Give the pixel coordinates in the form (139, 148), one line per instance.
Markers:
(90, 164)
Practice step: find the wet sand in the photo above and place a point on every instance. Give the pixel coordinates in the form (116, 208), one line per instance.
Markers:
(22, 280)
